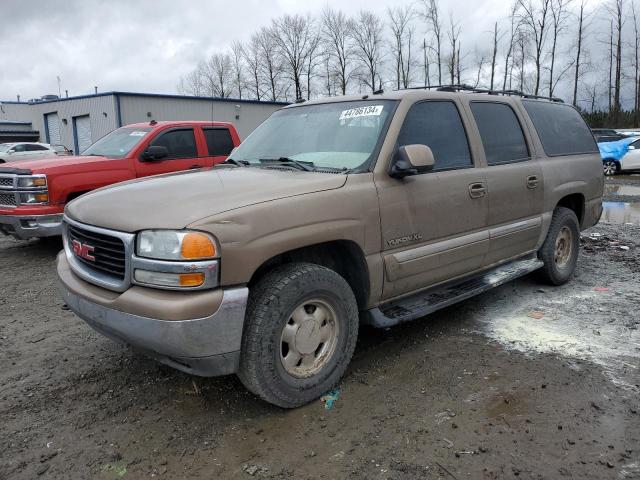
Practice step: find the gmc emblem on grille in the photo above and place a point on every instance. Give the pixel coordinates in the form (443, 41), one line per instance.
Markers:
(83, 250)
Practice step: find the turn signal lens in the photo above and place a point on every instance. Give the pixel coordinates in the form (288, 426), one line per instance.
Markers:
(191, 279)
(42, 197)
(197, 245)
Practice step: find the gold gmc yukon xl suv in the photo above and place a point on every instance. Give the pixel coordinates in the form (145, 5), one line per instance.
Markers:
(376, 209)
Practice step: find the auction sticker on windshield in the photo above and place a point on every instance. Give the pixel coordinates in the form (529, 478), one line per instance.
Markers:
(368, 111)
(137, 133)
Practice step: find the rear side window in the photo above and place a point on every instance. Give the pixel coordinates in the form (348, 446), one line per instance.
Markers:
(35, 148)
(437, 124)
(561, 128)
(500, 132)
(219, 141)
(179, 143)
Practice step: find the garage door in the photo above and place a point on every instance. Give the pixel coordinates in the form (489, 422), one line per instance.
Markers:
(53, 129)
(83, 133)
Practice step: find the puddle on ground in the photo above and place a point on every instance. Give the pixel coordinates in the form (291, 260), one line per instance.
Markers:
(614, 189)
(620, 213)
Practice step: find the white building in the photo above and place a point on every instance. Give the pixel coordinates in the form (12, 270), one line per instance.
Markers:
(77, 122)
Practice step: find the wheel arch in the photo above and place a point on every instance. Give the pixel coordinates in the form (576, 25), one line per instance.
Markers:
(345, 257)
(576, 203)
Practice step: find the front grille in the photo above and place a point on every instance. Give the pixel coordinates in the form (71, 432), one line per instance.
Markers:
(108, 251)
(8, 199)
(6, 182)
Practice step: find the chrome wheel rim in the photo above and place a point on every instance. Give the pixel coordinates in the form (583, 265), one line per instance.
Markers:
(309, 338)
(609, 168)
(564, 247)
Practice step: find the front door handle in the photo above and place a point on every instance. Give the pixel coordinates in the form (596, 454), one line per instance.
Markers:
(532, 181)
(477, 190)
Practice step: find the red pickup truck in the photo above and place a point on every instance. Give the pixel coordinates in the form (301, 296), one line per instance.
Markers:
(33, 193)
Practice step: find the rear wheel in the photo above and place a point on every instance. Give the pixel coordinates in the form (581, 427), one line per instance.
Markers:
(560, 249)
(300, 333)
(610, 167)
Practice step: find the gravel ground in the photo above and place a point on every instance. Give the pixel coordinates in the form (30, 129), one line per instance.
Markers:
(526, 381)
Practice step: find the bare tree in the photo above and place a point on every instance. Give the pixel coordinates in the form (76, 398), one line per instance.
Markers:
(252, 58)
(402, 32)
(432, 15)
(338, 45)
(493, 57)
(510, 46)
(559, 16)
(535, 18)
(192, 84)
(367, 37)
(617, 10)
(611, 67)
(579, 41)
(238, 67)
(636, 67)
(270, 64)
(313, 58)
(293, 38)
(425, 63)
(219, 72)
(481, 61)
(454, 34)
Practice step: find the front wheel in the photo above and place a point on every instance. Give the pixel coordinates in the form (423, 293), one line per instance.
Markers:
(300, 332)
(560, 249)
(610, 168)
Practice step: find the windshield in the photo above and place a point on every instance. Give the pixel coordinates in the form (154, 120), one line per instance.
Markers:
(5, 146)
(333, 135)
(118, 143)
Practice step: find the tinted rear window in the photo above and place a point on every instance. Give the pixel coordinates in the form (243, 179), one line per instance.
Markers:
(500, 131)
(219, 141)
(561, 128)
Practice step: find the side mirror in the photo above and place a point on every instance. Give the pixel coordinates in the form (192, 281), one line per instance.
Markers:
(411, 160)
(11, 152)
(631, 147)
(155, 152)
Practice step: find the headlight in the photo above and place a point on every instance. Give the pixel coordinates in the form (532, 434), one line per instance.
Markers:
(34, 198)
(176, 245)
(32, 181)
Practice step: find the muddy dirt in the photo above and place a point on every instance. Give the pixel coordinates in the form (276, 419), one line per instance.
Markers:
(526, 381)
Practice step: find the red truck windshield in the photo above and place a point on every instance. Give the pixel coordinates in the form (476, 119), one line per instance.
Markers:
(118, 143)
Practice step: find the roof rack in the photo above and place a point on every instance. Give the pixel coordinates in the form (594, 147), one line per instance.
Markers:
(469, 88)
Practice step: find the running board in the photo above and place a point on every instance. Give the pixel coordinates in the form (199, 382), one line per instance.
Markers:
(428, 301)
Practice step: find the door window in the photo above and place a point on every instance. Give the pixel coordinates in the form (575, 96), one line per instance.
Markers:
(437, 124)
(19, 148)
(35, 148)
(501, 133)
(179, 143)
(219, 142)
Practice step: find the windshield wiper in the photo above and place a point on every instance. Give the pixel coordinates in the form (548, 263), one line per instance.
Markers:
(290, 162)
(239, 163)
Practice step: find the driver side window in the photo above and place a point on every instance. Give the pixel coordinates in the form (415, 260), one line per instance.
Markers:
(179, 143)
(18, 148)
(437, 124)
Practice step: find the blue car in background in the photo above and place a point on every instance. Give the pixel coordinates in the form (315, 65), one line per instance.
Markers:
(612, 154)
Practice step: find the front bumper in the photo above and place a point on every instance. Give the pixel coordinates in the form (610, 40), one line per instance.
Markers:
(24, 227)
(206, 346)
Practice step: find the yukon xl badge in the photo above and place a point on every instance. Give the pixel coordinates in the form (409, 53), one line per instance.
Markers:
(396, 242)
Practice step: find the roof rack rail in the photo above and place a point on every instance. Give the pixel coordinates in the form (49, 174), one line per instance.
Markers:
(469, 88)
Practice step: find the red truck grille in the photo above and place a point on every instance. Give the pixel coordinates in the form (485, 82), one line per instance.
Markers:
(8, 199)
(99, 252)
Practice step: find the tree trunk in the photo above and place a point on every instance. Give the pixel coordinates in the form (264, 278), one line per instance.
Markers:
(495, 53)
(579, 49)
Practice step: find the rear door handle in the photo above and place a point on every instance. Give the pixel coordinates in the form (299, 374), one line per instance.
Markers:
(477, 190)
(532, 181)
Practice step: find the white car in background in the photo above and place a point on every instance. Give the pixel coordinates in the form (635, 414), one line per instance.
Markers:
(13, 152)
(631, 160)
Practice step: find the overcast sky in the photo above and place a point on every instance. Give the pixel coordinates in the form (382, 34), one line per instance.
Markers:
(145, 46)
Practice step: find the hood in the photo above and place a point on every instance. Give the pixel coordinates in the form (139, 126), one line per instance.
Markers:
(179, 199)
(67, 163)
